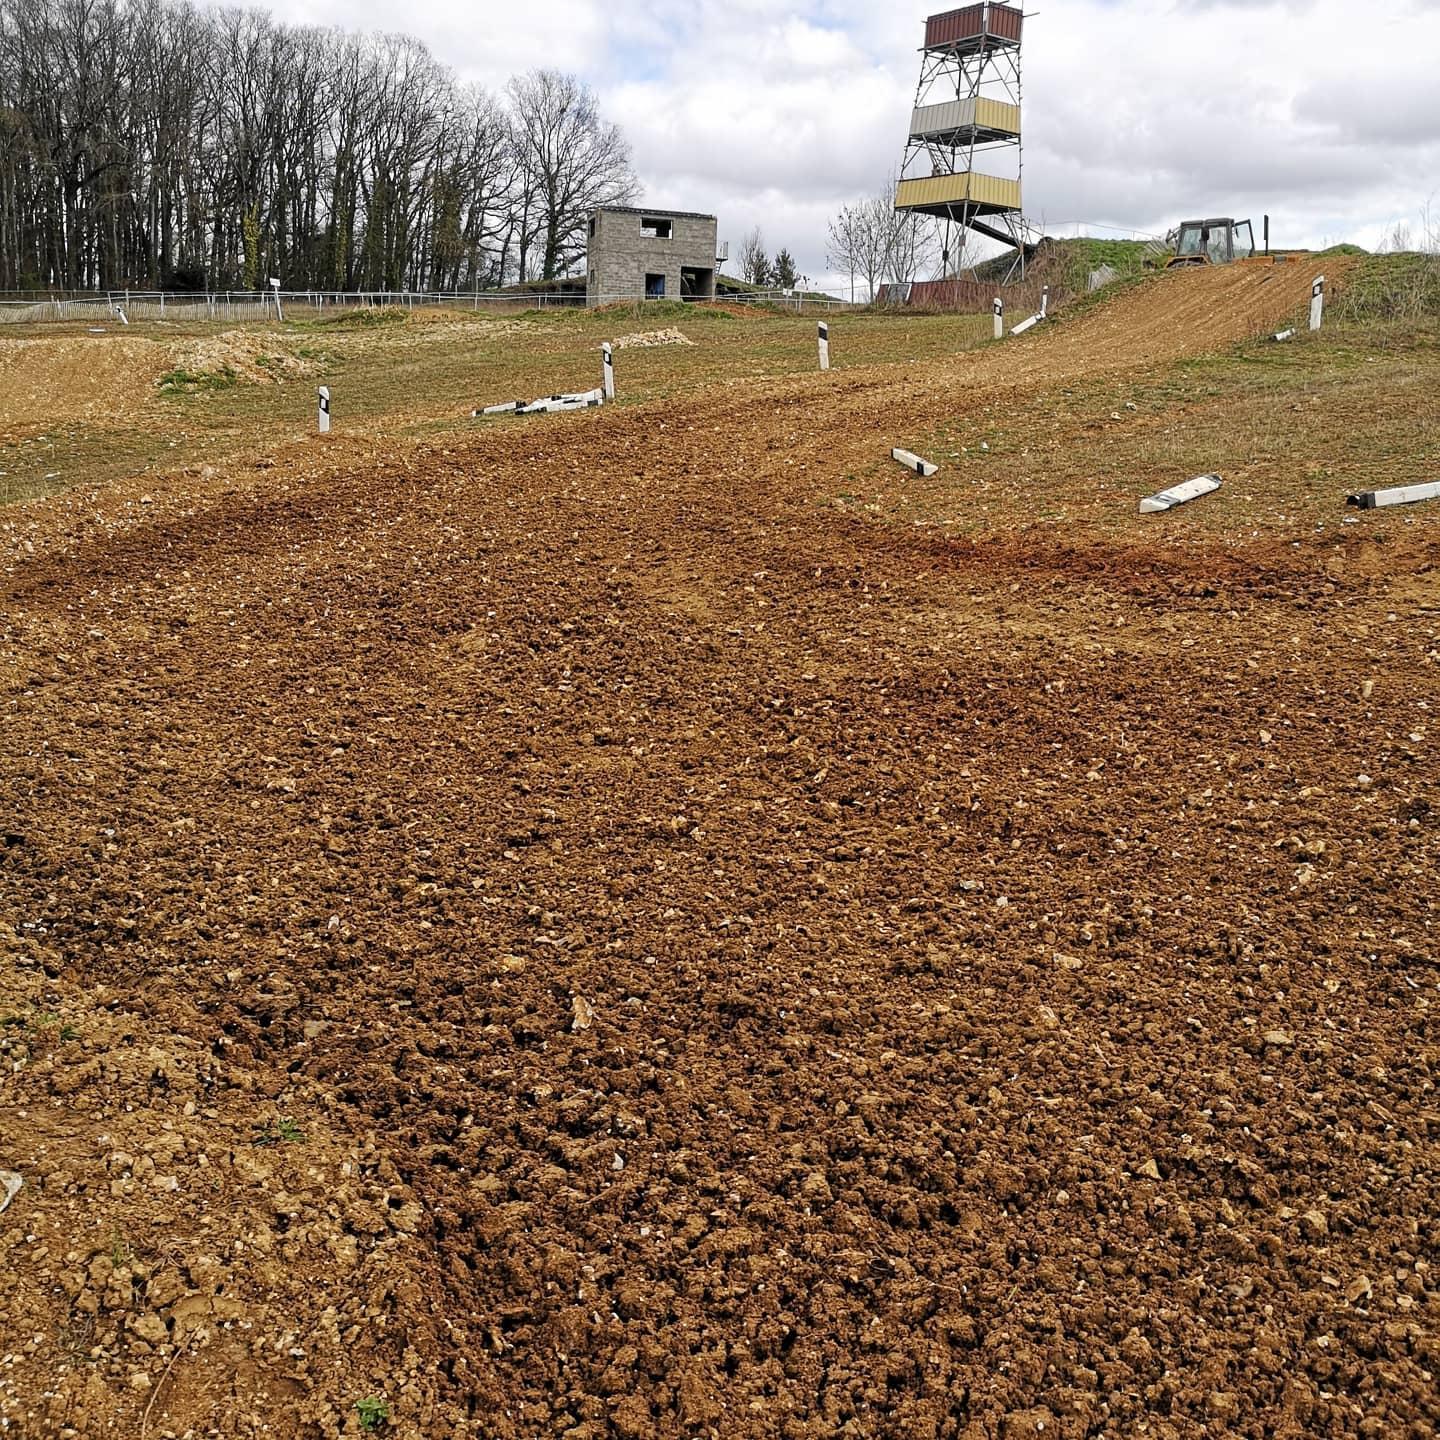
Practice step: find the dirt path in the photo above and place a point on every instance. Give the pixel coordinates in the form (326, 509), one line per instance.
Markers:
(766, 974)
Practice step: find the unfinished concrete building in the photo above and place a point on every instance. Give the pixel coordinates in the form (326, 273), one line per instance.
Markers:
(650, 255)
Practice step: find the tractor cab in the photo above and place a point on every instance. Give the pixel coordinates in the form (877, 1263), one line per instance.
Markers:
(1213, 242)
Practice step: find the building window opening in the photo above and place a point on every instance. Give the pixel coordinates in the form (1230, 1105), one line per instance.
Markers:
(592, 227)
(654, 287)
(651, 229)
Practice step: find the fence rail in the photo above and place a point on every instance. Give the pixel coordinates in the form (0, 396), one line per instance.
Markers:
(123, 306)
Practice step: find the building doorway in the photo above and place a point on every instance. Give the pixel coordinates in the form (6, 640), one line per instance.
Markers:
(697, 284)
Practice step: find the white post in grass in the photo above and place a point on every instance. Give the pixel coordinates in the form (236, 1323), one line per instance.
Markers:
(607, 357)
(275, 286)
(824, 346)
(999, 318)
(1044, 302)
(324, 409)
(1317, 302)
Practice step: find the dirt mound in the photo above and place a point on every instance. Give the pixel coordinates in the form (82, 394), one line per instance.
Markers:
(47, 380)
(239, 355)
(650, 339)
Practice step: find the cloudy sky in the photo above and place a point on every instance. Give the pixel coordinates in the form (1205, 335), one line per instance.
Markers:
(1138, 113)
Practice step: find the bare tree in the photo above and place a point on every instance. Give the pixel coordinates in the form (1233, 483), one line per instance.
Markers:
(873, 241)
(754, 263)
(150, 142)
(842, 252)
(578, 161)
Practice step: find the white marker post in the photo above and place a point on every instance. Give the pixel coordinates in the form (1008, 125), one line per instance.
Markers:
(1317, 302)
(913, 462)
(1180, 494)
(275, 286)
(999, 318)
(824, 346)
(1044, 302)
(1405, 495)
(324, 409)
(607, 360)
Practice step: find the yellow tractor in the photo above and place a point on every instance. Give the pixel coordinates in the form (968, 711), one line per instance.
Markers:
(1213, 242)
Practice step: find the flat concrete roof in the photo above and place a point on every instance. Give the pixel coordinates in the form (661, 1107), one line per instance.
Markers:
(643, 210)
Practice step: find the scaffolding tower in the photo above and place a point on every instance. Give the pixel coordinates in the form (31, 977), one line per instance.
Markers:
(967, 115)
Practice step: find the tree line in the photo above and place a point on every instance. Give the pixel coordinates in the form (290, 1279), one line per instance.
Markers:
(153, 143)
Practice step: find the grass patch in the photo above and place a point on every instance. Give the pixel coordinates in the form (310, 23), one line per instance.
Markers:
(1390, 288)
(363, 317)
(188, 382)
(1291, 428)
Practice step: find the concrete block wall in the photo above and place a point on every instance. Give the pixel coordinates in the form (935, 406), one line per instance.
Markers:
(619, 256)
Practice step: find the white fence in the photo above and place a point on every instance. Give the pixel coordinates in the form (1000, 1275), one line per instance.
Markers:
(231, 306)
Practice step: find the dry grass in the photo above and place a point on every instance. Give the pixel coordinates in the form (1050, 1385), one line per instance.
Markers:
(1292, 429)
(415, 376)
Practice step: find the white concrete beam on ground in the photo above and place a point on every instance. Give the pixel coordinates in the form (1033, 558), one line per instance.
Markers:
(546, 405)
(913, 462)
(553, 404)
(1025, 325)
(1283, 336)
(1180, 494)
(1403, 495)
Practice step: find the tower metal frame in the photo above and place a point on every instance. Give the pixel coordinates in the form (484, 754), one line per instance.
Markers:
(971, 69)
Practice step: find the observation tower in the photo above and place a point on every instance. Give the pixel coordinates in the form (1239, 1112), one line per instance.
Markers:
(964, 158)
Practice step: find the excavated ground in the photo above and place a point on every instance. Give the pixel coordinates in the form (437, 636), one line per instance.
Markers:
(567, 935)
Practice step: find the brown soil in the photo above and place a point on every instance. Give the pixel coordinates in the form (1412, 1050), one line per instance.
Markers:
(572, 936)
(49, 381)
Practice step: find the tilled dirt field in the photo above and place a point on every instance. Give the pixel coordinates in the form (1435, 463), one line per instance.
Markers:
(569, 934)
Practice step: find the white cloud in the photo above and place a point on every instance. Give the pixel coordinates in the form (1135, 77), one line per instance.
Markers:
(1137, 112)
